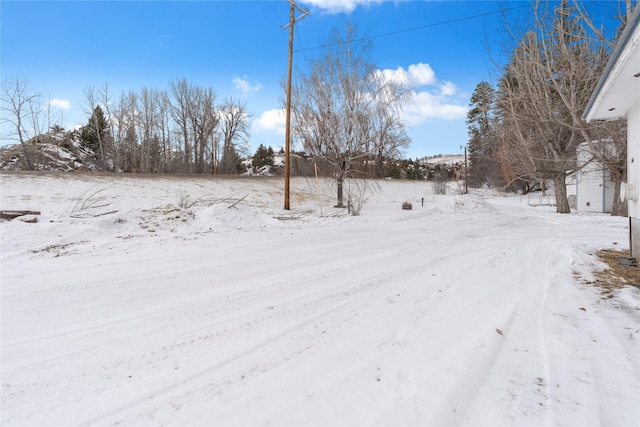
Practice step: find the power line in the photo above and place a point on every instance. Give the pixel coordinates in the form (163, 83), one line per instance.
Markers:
(406, 30)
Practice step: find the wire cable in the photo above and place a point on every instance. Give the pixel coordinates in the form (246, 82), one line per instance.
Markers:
(406, 30)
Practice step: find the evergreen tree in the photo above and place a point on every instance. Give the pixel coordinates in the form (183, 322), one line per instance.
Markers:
(93, 134)
(153, 147)
(130, 153)
(484, 167)
(263, 157)
(414, 171)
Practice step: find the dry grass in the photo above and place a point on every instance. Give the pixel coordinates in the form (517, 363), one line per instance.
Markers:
(58, 249)
(616, 275)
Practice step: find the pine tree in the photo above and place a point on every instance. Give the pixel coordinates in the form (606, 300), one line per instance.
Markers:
(93, 134)
(130, 153)
(263, 157)
(484, 167)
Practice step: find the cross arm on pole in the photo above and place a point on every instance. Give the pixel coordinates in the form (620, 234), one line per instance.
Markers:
(304, 12)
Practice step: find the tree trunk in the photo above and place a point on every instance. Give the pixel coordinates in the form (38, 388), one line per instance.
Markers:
(618, 208)
(340, 182)
(562, 202)
(26, 155)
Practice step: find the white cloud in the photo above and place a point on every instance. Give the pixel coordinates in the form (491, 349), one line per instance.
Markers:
(421, 75)
(339, 6)
(416, 75)
(243, 85)
(426, 105)
(63, 104)
(448, 89)
(429, 98)
(271, 120)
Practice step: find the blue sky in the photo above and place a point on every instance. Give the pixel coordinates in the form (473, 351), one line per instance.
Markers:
(240, 50)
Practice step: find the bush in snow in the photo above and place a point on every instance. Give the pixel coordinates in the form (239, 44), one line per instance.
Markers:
(439, 187)
(358, 192)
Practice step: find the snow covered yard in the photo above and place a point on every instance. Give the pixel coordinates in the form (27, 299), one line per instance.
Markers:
(156, 301)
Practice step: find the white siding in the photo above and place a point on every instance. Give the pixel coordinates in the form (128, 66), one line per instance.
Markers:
(594, 191)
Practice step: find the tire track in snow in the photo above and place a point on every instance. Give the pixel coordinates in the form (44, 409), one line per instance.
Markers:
(520, 376)
(424, 323)
(107, 344)
(371, 242)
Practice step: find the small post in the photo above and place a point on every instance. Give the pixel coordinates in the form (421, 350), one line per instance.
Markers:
(423, 202)
(466, 173)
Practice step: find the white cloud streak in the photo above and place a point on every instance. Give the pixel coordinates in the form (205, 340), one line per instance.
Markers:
(243, 85)
(63, 104)
(339, 6)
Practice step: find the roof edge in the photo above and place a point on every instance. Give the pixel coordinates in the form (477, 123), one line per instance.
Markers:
(625, 38)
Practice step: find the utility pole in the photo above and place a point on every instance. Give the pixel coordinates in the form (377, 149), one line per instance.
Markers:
(287, 142)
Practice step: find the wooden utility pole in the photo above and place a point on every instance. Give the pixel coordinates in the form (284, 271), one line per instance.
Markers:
(287, 142)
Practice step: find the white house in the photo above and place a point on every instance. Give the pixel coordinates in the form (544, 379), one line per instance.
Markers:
(616, 96)
(594, 187)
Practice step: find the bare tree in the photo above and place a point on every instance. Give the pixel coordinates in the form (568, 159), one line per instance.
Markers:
(147, 125)
(203, 121)
(53, 118)
(386, 131)
(180, 96)
(233, 132)
(541, 95)
(608, 140)
(124, 119)
(343, 110)
(18, 104)
(164, 106)
(193, 111)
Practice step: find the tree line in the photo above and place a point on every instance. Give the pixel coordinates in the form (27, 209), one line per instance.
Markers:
(183, 129)
(345, 115)
(524, 130)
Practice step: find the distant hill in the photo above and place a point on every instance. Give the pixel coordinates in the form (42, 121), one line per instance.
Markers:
(444, 159)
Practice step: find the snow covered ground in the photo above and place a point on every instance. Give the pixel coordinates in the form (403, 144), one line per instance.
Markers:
(122, 307)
